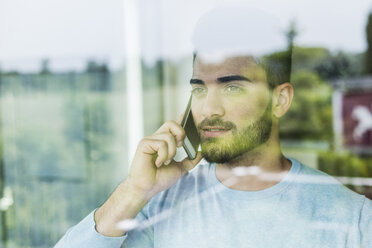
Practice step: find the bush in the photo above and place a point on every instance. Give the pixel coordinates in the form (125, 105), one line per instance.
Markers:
(347, 165)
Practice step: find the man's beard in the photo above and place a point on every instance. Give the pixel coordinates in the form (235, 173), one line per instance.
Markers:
(225, 149)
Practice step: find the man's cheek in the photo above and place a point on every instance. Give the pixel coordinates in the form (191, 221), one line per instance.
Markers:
(196, 114)
(240, 114)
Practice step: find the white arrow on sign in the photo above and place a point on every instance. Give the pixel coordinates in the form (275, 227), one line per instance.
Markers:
(364, 117)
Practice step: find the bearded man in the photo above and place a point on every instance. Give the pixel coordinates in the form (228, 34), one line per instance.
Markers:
(247, 193)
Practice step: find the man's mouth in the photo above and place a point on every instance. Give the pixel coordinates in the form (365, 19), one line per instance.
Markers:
(214, 131)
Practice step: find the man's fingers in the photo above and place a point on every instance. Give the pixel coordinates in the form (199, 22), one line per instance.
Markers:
(159, 147)
(179, 120)
(188, 164)
(175, 129)
(171, 143)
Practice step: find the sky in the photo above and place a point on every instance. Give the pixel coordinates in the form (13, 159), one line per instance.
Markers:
(68, 32)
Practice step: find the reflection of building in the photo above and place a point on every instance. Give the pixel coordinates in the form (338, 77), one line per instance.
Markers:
(352, 104)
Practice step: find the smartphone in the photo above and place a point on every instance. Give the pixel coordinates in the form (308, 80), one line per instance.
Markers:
(192, 140)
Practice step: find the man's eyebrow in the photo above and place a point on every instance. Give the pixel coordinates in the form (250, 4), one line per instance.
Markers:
(196, 81)
(230, 78)
(224, 79)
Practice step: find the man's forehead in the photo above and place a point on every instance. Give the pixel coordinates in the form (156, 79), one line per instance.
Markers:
(237, 65)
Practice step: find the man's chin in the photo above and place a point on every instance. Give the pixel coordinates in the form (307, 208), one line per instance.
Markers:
(223, 151)
(212, 158)
(213, 152)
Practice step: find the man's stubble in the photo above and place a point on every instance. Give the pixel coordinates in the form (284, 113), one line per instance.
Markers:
(225, 149)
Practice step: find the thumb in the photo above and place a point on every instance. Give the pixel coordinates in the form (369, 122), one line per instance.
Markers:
(188, 164)
(179, 120)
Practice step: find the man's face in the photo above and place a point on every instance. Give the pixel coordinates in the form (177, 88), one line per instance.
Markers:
(231, 107)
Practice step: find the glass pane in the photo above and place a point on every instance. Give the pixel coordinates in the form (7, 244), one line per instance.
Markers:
(81, 82)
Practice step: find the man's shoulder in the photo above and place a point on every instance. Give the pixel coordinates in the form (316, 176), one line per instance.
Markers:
(324, 188)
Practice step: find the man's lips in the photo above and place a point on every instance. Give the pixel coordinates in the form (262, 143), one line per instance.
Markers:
(214, 131)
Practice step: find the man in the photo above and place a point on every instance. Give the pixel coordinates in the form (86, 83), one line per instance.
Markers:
(248, 194)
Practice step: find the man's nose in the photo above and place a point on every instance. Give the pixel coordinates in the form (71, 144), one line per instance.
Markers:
(213, 106)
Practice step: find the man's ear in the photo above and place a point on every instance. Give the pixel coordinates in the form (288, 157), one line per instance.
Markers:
(282, 99)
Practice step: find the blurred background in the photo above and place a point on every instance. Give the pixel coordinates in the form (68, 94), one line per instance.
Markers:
(82, 81)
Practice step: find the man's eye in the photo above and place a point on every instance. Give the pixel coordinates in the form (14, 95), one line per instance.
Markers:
(233, 89)
(198, 91)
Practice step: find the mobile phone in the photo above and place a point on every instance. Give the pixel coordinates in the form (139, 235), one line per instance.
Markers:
(192, 139)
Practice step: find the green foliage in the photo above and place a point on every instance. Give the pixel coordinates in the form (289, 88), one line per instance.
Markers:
(93, 66)
(339, 65)
(326, 64)
(45, 66)
(368, 55)
(278, 67)
(60, 159)
(310, 116)
(291, 33)
(347, 165)
(307, 58)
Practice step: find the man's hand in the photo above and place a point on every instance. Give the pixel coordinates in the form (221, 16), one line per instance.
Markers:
(153, 170)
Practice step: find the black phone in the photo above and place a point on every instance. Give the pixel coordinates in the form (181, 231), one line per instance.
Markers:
(192, 139)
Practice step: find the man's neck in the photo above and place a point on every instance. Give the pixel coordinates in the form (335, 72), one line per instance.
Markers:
(255, 170)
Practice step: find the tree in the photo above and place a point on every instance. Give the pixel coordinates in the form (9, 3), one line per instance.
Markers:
(100, 76)
(45, 66)
(368, 56)
(291, 34)
(337, 66)
(4, 231)
(310, 116)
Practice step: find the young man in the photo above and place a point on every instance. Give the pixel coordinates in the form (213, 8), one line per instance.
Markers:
(248, 194)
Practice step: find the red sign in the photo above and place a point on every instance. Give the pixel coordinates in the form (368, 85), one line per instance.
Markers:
(357, 119)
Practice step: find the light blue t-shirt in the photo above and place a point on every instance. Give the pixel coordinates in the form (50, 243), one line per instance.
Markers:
(306, 209)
